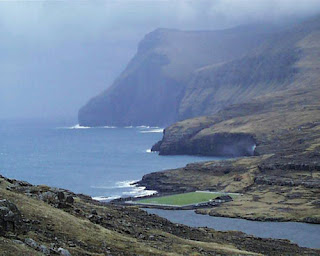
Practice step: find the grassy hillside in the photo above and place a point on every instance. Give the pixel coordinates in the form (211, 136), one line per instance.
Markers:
(44, 222)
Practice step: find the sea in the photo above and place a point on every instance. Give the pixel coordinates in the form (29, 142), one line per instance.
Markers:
(102, 162)
(105, 162)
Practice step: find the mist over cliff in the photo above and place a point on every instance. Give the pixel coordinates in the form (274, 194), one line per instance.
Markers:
(177, 74)
(151, 88)
(58, 54)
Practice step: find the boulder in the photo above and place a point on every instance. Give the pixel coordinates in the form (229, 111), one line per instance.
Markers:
(69, 200)
(33, 244)
(64, 252)
(10, 217)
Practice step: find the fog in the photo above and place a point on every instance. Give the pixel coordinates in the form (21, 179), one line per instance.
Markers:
(56, 55)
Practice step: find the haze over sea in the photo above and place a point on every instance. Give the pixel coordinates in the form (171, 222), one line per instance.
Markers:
(100, 162)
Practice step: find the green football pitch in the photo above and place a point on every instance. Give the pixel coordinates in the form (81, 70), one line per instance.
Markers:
(182, 199)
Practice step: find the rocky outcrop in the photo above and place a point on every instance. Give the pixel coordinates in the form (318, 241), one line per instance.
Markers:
(10, 218)
(216, 144)
(282, 181)
(57, 197)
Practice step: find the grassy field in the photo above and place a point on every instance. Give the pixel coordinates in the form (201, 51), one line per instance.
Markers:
(182, 199)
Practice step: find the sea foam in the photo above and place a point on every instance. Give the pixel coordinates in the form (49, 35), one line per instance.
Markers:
(139, 192)
(105, 198)
(153, 130)
(78, 126)
(118, 184)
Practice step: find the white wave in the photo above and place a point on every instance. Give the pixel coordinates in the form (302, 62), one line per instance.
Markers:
(105, 198)
(126, 184)
(119, 184)
(149, 150)
(107, 127)
(153, 131)
(139, 192)
(254, 147)
(77, 126)
(143, 127)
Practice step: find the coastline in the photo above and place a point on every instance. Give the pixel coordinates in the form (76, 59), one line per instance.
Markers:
(51, 219)
(262, 200)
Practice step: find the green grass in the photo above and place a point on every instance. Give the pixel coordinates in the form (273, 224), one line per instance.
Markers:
(181, 199)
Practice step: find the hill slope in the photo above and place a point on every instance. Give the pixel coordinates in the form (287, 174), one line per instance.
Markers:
(273, 66)
(40, 220)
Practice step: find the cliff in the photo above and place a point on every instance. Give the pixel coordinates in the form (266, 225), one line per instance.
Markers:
(281, 179)
(262, 123)
(150, 90)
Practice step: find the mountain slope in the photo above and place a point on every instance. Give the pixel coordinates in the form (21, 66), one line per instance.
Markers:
(150, 89)
(271, 67)
(280, 131)
(266, 118)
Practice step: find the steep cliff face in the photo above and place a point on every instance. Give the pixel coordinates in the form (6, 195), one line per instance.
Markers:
(177, 75)
(283, 75)
(152, 86)
(271, 67)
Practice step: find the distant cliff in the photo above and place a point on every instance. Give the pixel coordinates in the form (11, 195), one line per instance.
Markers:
(156, 88)
(275, 91)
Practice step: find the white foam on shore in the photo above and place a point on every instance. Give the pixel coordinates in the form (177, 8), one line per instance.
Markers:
(106, 127)
(159, 130)
(126, 184)
(143, 127)
(139, 192)
(254, 147)
(150, 151)
(134, 190)
(105, 198)
(118, 184)
(78, 126)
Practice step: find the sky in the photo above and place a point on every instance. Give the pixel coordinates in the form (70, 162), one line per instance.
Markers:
(56, 55)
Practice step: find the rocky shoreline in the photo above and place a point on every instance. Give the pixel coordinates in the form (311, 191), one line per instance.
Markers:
(40, 220)
(276, 192)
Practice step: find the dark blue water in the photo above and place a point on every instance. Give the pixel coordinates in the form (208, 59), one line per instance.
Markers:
(303, 234)
(100, 162)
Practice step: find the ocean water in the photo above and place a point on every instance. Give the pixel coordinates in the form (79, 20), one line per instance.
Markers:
(100, 162)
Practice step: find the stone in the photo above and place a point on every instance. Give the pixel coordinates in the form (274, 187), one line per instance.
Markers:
(44, 249)
(48, 197)
(64, 252)
(60, 196)
(17, 241)
(30, 242)
(69, 200)
(10, 217)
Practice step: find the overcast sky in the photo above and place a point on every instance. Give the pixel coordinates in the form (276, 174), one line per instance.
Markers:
(56, 55)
